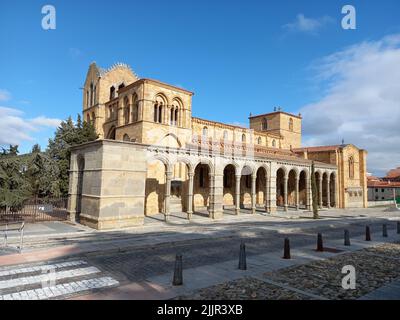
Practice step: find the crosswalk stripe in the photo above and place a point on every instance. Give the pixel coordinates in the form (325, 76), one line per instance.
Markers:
(61, 289)
(45, 267)
(71, 273)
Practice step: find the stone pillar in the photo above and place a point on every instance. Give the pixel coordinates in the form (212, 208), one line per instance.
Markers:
(168, 177)
(190, 196)
(272, 194)
(266, 196)
(320, 191)
(253, 193)
(308, 194)
(216, 196)
(139, 109)
(328, 192)
(237, 194)
(120, 115)
(285, 193)
(297, 193)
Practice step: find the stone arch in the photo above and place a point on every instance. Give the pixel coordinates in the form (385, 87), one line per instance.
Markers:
(281, 176)
(246, 173)
(325, 192)
(160, 103)
(333, 187)
(291, 187)
(229, 184)
(303, 188)
(177, 111)
(111, 133)
(155, 190)
(171, 140)
(79, 187)
(261, 185)
(201, 185)
(126, 110)
(135, 107)
(126, 138)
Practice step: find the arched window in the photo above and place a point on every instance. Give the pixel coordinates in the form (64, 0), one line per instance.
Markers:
(126, 138)
(91, 94)
(351, 168)
(122, 85)
(205, 132)
(88, 118)
(112, 92)
(243, 138)
(87, 98)
(290, 124)
(93, 118)
(135, 108)
(160, 113)
(225, 135)
(126, 110)
(94, 95)
(259, 140)
(274, 143)
(176, 117)
(265, 124)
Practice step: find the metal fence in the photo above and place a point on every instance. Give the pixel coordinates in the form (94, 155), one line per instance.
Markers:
(37, 210)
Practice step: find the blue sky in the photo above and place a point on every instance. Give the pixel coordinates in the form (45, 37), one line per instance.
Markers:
(237, 56)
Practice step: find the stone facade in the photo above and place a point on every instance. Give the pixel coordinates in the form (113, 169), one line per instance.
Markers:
(154, 157)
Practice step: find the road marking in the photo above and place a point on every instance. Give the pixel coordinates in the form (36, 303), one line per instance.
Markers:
(45, 267)
(61, 289)
(79, 272)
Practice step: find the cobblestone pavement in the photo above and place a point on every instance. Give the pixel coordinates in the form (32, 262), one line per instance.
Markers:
(205, 245)
(142, 263)
(316, 280)
(57, 280)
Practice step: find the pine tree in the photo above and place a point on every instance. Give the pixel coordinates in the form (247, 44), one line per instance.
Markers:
(67, 136)
(314, 192)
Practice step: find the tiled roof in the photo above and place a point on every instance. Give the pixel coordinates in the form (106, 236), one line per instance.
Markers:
(394, 173)
(382, 184)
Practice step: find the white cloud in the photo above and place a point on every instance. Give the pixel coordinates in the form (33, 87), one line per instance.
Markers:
(308, 25)
(4, 95)
(361, 102)
(14, 128)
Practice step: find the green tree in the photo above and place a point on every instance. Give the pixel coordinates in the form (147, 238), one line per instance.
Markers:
(14, 189)
(68, 135)
(42, 176)
(36, 148)
(314, 192)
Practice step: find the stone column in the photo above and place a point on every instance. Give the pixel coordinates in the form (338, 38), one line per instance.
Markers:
(237, 194)
(168, 177)
(216, 196)
(328, 192)
(297, 181)
(272, 194)
(190, 196)
(266, 196)
(308, 194)
(320, 191)
(253, 193)
(285, 193)
(139, 110)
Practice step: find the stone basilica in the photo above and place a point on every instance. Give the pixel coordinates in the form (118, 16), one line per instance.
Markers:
(153, 157)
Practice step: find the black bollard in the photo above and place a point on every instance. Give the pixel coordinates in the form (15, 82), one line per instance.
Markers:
(384, 231)
(320, 245)
(178, 277)
(367, 234)
(346, 238)
(398, 227)
(242, 257)
(286, 249)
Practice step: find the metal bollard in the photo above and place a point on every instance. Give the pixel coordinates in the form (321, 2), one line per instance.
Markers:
(367, 234)
(320, 245)
(384, 231)
(242, 257)
(346, 238)
(178, 276)
(286, 249)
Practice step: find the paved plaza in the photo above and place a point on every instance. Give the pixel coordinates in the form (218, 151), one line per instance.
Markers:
(67, 261)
